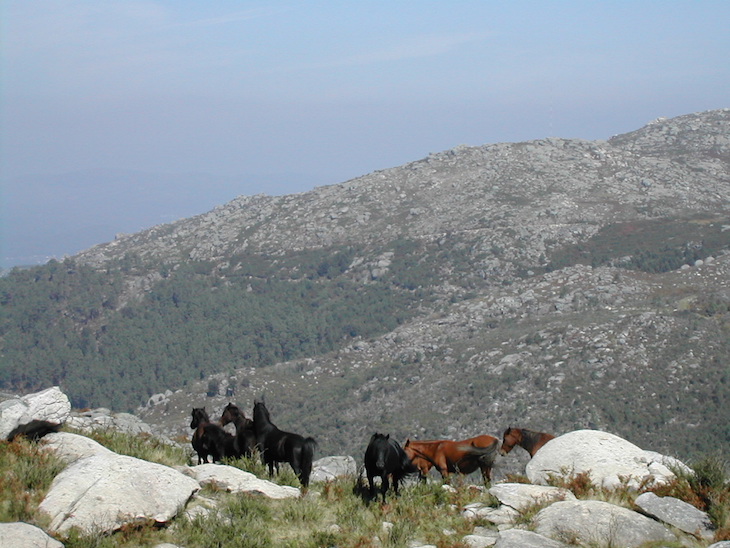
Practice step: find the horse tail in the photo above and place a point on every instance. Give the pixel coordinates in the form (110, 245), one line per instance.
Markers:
(307, 459)
(34, 430)
(485, 455)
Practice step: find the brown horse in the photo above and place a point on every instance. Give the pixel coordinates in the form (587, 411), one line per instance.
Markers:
(529, 440)
(463, 457)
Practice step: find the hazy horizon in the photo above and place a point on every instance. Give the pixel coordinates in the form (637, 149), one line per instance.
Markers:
(118, 116)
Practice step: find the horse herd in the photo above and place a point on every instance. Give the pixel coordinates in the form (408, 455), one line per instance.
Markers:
(259, 434)
(384, 456)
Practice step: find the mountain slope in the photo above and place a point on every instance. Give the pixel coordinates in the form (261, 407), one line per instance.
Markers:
(533, 283)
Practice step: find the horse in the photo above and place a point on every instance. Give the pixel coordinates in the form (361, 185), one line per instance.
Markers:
(529, 440)
(278, 446)
(245, 434)
(384, 457)
(209, 438)
(33, 430)
(464, 457)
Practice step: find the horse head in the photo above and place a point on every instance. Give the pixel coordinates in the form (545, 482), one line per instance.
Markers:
(510, 438)
(380, 445)
(198, 416)
(260, 413)
(230, 412)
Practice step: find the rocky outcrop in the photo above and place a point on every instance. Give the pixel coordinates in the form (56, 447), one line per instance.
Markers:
(25, 535)
(677, 513)
(72, 447)
(103, 492)
(592, 521)
(608, 459)
(331, 468)
(235, 480)
(521, 496)
(103, 418)
(50, 405)
(519, 538)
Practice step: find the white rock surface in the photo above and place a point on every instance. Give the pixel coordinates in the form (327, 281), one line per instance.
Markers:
(50, 405)
(604, 456)
(330, 468)
(236, 480)
(25, 535)
(602, 523)
(99, 494)
(519, 538)
(678, 513)
(72, 447)
(521, 495)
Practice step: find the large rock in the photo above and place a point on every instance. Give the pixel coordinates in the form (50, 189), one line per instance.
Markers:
(72, 447)
(25, 535)
(504, 515)
(105, 419)
(605, 457)
(235, 480)
(593, 521)
(521, 496)
(50, 405)
(101, 493)
(678, 513)
(330, 468)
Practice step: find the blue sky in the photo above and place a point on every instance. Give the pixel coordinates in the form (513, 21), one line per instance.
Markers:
(116, 109)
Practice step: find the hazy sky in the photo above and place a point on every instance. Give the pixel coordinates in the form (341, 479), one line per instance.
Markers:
(197, 102)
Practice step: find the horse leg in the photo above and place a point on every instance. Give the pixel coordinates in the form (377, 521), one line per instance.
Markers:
(385, 485)
(371, 483)
(486, 473)
(442, 466)
(296, 465)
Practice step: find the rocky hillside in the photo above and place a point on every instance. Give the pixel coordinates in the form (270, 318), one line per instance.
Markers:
(554, 284)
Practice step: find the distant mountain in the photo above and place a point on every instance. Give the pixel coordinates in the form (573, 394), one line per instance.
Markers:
(57, 215)
(552, 284)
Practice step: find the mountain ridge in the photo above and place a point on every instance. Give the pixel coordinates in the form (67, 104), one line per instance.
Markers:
(560, 283)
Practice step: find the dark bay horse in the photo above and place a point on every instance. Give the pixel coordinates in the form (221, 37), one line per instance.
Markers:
(463, 457)
(210, 438)
(529, 440)
(33, 430)
(278, 446)
(245, 433)
(385, 458)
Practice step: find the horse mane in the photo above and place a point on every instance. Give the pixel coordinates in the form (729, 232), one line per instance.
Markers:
(530, 438)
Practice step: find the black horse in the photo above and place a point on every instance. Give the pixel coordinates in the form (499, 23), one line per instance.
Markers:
(209, 438)
(384, 457)
(278, 446)
(33, 430)
(245, 433)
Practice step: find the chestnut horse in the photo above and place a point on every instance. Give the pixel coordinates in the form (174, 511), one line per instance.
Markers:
(529, 440)
(464, 457)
